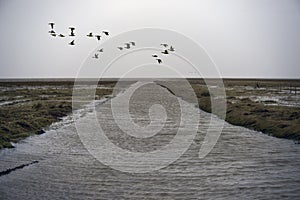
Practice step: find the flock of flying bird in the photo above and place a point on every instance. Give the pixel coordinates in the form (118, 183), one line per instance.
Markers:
(72, 34)
(127, 45)
(165, 51)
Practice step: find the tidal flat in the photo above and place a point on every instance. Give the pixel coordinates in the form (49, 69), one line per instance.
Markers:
(272, 107)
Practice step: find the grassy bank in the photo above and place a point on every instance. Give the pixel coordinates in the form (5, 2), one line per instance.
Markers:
(244, 107)
(30, 107)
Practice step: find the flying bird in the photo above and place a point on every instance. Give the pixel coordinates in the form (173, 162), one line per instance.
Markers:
(120, 48)
(100, 50)
(96, 56)
(171, 49)
(159, 61)
(61, 35)
(72, 31)
(72, 43)
(52, 25)
(90, 34)
(154, 55)
(132, 43)
(97, 36)
(52, 31)
(164, 44)
(53, 34)
(105, 32)
(165, 52)
(127, 46)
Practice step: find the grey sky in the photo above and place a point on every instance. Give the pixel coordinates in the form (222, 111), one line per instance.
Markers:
(245, 38)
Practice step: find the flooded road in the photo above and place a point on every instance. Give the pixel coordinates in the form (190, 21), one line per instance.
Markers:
(244, 164)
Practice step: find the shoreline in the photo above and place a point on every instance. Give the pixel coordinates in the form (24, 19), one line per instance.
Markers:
(248, 106)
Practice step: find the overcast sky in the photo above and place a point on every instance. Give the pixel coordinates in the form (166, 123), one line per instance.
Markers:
(245, 38)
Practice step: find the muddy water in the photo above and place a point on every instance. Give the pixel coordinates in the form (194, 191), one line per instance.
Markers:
(244, 164)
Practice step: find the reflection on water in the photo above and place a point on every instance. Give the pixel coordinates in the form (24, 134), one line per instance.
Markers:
(243, 165)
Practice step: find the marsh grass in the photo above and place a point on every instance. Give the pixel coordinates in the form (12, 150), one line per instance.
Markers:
(276, 120)
(46, 103)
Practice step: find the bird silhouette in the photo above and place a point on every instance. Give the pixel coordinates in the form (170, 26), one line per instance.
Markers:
(52, 31)
(90, 34)
(100, 50)
(72, 43)
(127, 46)
(159, 60)
(72, 31)
(105, 32)
(171, 48)
(96, 56)
(98, 37)
(52, 25)
(154, 55)
(165, 52)
(53, 34)
(120, 48)
(164, 44)
(132, 43)
(61, 35)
